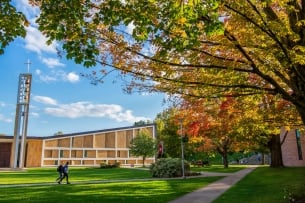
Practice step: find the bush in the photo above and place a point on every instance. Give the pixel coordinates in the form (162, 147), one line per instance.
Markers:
(168, 168)
(294, 194)
(115, 165)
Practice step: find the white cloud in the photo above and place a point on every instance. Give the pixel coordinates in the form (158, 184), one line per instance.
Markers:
(64, 76)
(44, 78)
(34, 114)
(88, 109)
(45, 100)
(36, 42)
(28, 10)
(47, 78)
(127, 116)
(2, 104)
(4, 119)
(38, 72)
(129, 28)
(58, 75)
(72, 77)
(51, 62)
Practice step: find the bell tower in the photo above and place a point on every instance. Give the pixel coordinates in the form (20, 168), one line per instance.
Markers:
(21, 120)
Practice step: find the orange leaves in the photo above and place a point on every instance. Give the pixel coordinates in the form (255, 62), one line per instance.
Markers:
(194, 128)
(227, 103)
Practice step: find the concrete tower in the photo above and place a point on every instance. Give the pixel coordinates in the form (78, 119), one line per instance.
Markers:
(21, 120)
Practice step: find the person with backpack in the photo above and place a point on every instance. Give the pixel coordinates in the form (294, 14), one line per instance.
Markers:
(60, 172)
(65, 170)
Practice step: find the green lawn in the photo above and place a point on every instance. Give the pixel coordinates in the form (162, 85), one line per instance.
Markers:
(48, 175)
(140, 191)
(219, 168)
(126, 191)
(266, 185)
(263, 185)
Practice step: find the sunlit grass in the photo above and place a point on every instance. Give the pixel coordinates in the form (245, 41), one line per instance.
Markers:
(140, 191)
(219, 168)
(265, 185)
(48, 175)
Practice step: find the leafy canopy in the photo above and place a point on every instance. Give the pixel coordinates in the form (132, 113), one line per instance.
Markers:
(142, 145)
(12, 24)
(201, 49)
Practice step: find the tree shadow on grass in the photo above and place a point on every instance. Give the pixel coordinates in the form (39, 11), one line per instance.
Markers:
(155, 191)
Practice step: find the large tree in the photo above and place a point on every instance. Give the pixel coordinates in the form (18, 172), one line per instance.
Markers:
(233, 47)
(12, 24)
(240, 124)
(169, 125)
(142, 145)
(219, 123)
(167, 132)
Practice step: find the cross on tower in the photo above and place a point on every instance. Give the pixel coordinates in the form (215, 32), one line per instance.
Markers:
(28, 63)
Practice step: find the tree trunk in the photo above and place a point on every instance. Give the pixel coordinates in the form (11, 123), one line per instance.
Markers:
(224, 154)
(276, 152)
(225, 159)
(144, 161)
(301, 112)
(223, 151)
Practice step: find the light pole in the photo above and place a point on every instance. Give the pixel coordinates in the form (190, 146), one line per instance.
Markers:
(182, 150)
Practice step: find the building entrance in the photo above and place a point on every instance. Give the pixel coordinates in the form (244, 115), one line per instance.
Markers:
(5, 155)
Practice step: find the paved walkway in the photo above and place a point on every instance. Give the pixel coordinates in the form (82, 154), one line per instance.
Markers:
(210, 192)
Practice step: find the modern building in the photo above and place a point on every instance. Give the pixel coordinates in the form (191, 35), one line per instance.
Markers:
(112, 145)
(80, 149)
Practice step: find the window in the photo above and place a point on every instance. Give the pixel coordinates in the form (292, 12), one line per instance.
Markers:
(73, 153)
(299, 146)
(61, 153)
(85, 153)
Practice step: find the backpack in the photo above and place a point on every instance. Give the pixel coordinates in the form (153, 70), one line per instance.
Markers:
(59, 168)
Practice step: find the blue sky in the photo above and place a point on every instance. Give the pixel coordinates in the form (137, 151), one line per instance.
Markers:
(61, 99)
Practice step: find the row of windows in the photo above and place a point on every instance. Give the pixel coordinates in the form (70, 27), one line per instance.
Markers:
(85, 153)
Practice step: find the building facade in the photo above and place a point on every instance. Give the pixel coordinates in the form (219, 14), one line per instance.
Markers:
(293, 147)
(79, 149)
(112, 145)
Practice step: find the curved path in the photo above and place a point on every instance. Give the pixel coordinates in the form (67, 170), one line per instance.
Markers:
(212, 191)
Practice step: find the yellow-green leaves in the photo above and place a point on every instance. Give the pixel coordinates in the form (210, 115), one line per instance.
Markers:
(12, 24)
(202, 49)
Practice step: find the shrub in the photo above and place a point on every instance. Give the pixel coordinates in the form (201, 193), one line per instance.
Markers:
(168, 168)
(115, 165)
(294, 194)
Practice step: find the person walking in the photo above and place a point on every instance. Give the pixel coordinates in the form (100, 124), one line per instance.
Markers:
(60, 172)
(65, 173)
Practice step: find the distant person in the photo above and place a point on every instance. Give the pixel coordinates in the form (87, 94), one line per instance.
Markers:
(60, 172)
(65, 173)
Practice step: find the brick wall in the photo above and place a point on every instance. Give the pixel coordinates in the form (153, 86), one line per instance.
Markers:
(290, 149)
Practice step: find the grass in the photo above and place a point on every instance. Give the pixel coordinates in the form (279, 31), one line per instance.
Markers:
(158, 191)
(48, 175)
(265, 185)
(219, 168)
(135, 191)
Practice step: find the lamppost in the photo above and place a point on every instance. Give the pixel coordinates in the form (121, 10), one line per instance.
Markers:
(182, 149)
